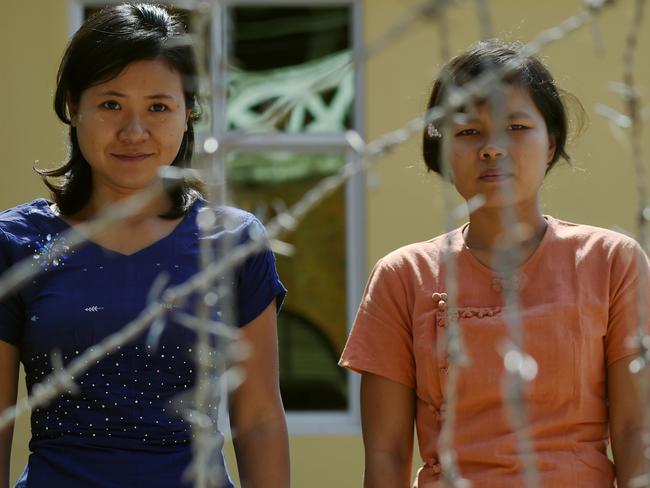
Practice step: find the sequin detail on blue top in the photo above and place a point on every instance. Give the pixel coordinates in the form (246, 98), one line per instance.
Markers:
(51, 251)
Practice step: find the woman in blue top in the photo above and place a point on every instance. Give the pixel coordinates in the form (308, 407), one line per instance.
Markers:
(126, 87)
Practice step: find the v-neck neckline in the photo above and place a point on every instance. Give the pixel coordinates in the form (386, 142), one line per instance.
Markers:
(45, 204)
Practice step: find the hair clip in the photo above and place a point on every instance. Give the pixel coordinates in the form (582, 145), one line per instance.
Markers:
(432, 132)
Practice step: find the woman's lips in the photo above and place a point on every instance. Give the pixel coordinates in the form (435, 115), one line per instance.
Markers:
(494, 176)
(132, 157)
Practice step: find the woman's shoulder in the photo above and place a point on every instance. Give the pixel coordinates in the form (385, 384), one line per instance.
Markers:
(590, 236)
(427, 253)
(223, 211)
(26, 228)
(231, 220)
(27, 218)
(24, 210)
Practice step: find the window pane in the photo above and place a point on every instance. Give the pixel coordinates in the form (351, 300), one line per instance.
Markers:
(312, 325)
(289, 69)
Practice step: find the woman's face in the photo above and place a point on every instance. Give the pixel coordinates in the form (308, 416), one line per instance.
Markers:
(492, 150)
(130, 126)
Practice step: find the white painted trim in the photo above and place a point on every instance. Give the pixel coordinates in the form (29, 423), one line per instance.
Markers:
(75, 15)
(302, 142)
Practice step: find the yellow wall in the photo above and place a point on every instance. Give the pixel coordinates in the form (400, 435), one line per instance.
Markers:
(32, 36)
(405, 205)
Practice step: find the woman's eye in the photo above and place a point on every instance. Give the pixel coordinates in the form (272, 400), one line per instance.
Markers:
(467, 132)
(158, 107)
(516, 127)
(111, 105)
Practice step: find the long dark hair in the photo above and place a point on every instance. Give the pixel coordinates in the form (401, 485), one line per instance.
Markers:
(103, 46)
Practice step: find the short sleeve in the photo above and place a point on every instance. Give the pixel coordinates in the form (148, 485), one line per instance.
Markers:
(381, 340)
(630, 281)
(11, 309)
(258, 283)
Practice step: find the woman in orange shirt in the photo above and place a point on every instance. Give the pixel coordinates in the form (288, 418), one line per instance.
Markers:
(578, 295)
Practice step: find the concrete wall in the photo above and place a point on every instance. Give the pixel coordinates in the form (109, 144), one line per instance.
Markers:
(404, 204)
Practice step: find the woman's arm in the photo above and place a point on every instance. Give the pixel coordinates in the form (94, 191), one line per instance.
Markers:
(9, 365)
(256, 413)
(625, 420)
(387, 416)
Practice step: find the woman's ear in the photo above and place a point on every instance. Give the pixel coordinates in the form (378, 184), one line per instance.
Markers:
(72, 112)
(188, 114)
(552, 147)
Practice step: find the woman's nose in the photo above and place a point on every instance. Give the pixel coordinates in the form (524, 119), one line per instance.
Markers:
(133, 129)
(491, 150)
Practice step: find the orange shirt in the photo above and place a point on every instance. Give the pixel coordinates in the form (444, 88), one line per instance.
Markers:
(578, 295)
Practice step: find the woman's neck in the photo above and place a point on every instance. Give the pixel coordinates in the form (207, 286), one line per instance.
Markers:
(492, 230)
(133, 234)
(100, 201)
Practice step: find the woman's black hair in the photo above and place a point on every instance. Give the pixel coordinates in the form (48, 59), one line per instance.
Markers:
(530, 74)
(104, 45)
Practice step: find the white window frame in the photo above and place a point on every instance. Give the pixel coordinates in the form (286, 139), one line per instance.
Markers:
(305, 422)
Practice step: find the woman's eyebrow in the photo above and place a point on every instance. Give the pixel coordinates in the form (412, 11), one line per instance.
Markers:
(519, 115)
(162, 95)
(113, 93)
(463, 118)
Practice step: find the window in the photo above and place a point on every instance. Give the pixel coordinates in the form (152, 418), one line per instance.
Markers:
(290, 94)
(285, 91)
(312, 325)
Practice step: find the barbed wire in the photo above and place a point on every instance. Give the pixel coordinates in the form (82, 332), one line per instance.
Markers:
(212, 361)
(485, 18)
(453, 346)
(632, 99)
(62, 377)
